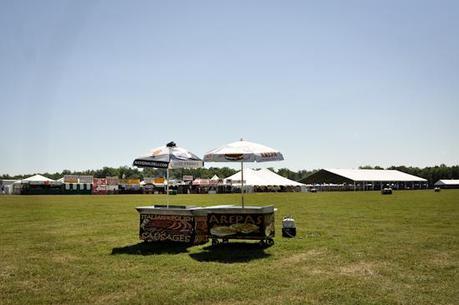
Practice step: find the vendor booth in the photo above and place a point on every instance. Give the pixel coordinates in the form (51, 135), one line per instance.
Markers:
(37, 185)
(195, 225)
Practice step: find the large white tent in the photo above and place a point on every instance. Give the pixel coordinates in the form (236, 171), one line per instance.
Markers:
(18, 185)
(376, 175)
(448, 183)
(36, 179)
(365, 179)
(262, 177)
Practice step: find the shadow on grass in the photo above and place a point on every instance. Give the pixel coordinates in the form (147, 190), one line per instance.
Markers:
(145, 248)
(233, 252)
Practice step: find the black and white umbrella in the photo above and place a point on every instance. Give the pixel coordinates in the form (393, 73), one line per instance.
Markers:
(243, 151)
(169, 156)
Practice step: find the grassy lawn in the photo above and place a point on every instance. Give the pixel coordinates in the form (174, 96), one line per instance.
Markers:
(351, 248)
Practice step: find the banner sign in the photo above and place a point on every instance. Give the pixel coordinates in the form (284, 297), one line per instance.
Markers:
(99, 185)
(177, 228)
(159, 180)
(166, 228)
(86, 179)
(201, 182)
(240, 226)
(150, 163)
(78, 179)
(99, 181)
(113, 180)
(70, 179)
(133, 181)
(187, 178)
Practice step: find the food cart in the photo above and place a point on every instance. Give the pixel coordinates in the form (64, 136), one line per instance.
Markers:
(194, 225)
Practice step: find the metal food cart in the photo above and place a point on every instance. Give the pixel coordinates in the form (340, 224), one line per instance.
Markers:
(194, 225)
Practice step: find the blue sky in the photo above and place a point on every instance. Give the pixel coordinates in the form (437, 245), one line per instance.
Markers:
(86, 84)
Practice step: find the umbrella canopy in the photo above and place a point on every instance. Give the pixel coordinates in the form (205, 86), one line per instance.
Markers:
(169, 156)
(243, 151)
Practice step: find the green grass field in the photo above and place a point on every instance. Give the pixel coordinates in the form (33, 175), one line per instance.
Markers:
(351, 248)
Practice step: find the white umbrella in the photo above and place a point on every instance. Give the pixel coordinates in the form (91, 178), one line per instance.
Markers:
(243, 151)
(169, 156)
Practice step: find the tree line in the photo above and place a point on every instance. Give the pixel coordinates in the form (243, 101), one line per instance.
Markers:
(431, 173)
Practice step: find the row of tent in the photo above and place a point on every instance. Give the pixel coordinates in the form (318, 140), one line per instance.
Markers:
(252, 178)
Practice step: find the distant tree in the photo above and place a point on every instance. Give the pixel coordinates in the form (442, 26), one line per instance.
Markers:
(432, 174)
(285, 172)
(370, 167)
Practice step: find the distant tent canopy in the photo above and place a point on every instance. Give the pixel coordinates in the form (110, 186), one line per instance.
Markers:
(262, 177)
(447, 183)
(36, 179)
(201, 182)
(364, 177)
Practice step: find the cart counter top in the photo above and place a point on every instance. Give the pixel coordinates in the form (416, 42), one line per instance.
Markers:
(172, 210)
(239, 209)
(193, 210)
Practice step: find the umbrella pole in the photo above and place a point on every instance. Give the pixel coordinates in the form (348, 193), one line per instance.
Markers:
(167, 177)
(167, 186)
(242, 183)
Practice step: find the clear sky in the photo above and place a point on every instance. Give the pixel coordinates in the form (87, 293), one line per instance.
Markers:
(86, 84)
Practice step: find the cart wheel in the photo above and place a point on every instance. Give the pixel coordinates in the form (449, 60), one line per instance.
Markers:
(214, 241)
(270, 242)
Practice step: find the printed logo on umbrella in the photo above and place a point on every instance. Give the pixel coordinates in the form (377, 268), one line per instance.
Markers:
(234, 157)
(156, 152)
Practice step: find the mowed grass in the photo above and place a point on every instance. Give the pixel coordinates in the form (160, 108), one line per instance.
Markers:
(351, 248)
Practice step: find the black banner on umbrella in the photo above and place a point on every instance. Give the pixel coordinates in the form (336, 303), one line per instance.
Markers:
(150, 163)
